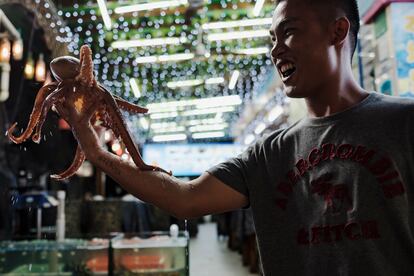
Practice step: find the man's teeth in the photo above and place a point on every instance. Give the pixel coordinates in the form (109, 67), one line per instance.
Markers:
(287, 67)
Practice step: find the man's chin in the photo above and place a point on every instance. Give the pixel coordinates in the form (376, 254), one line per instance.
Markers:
(293, 92)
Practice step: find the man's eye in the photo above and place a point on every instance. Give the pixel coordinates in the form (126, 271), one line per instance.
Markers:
(289, 31)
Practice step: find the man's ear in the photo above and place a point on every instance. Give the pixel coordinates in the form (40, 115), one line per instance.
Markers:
(340, 30)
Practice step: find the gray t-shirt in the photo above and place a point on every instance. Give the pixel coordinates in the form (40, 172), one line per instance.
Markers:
(333, 195)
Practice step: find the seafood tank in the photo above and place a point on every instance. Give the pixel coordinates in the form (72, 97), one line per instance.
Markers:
(45, 257)
(157, 255)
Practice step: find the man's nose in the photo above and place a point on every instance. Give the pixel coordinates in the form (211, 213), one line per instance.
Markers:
(278, 50)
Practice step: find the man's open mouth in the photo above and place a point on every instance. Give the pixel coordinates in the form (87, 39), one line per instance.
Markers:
(287, 70)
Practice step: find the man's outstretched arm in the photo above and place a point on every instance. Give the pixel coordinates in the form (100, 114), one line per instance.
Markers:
(182, 199)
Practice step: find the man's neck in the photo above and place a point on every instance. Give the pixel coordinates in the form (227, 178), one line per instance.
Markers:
(335, 98)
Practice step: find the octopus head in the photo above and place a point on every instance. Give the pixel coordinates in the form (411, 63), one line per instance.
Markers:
(64, 68)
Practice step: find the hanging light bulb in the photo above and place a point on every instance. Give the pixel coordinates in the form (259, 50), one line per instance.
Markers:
(29, 68)
(17, 49)
(4, 50)
(40, 73)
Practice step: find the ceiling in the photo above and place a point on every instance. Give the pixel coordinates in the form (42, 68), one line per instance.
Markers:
(205, 91)
(206, 69)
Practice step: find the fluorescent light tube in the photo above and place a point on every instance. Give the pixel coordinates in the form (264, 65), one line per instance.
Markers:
(148, 42)
(260, 127)
(176, 57)
(169, 137)
(233, 79)
(146, 59)
(163, 125)
(163, 115)
(164, 58)
(253, 51)
(204, 121)
(201, 128)
(144, 123)
(199, 103)
(172, 129)
(219, 101)
(258, 7)
(183, 83)
(134, 87)
(214, 80)
(249, 139)
(105, 15)
(150, 6)
(275, 113)
(237, 35)
(208, 111)
(237, 23)
(204, 135)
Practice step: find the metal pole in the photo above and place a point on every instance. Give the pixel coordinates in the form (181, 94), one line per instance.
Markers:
(39, 223)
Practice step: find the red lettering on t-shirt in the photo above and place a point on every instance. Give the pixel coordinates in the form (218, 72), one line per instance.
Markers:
(293, 177)
(328, 151)
(380, 166)
(285, 188)
(303, 236)
(345, 151)
(302, 166)
(350, 231)
(369, 230)
(337, 230)
(393, 190)
(389, 176)
(362, 155)
(314, 157)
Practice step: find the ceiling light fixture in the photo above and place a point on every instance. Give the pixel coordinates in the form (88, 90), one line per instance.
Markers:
(134, 86)
(165, 58)
(148, 42)
(237, 35)
(163, 125)
(184, 83)
(150, 6)
(233, 79)
(163, 115)
(201, 128)
(200, 103)
(208, 111)
(105, 15)
(259, 129)
(169, 137)
(204, 135)
(258, 7)
(176, 57)
(147, 59)
(275, 113)
(252, 51)
(249, 139)
(237, 23)
(214, 80)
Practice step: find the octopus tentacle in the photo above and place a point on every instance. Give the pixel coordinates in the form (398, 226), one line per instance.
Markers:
(77, 162)
(48, 103)
(86, 67)
(43, 93)
(124, 105)
(120, 129)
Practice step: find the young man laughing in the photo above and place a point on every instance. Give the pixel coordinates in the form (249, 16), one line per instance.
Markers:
(331, 194)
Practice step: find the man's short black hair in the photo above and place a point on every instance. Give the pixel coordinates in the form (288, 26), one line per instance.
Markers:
(348, 7)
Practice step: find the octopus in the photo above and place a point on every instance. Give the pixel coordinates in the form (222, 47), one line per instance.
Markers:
(76, 90)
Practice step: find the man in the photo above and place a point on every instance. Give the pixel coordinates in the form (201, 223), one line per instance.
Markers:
(330, 195)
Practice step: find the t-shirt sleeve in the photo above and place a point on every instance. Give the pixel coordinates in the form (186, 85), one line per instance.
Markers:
(236, 172)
